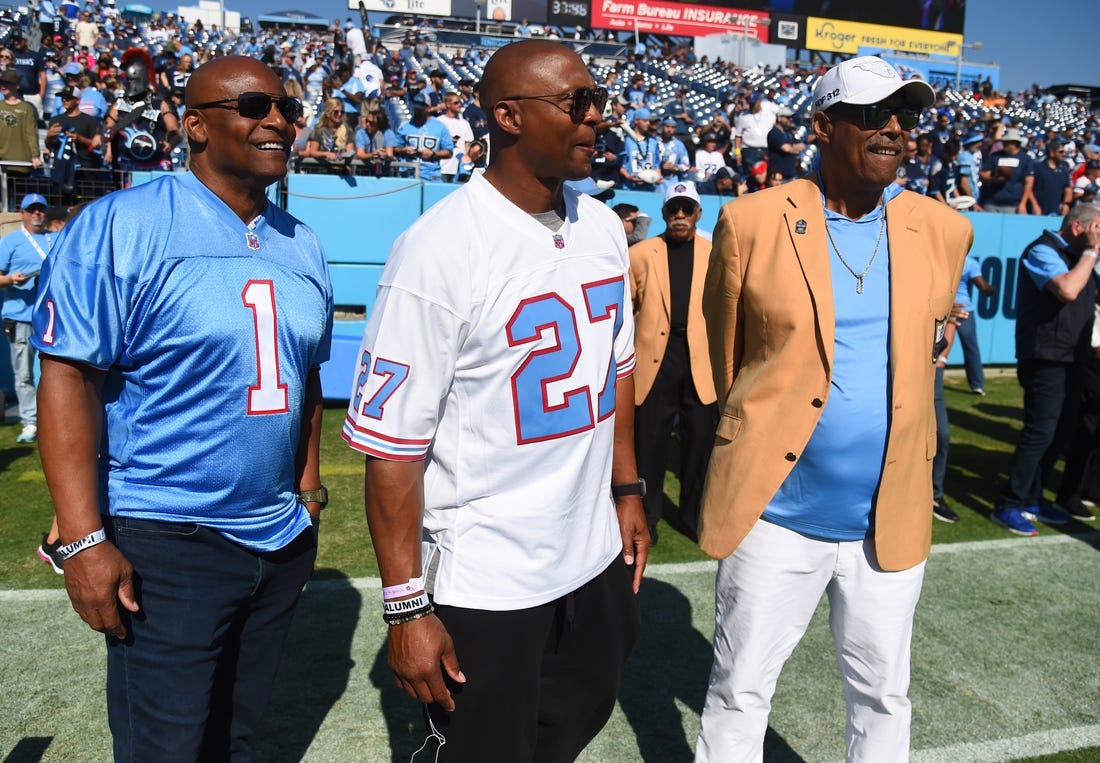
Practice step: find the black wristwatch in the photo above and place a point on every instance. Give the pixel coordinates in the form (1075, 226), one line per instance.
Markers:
(628, 488)
(320, 495)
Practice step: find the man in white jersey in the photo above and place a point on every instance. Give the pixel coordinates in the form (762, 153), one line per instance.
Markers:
(494, 400)
(182, 325)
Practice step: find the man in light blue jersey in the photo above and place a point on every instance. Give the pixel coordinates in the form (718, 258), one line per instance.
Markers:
(182, 324)
(425, 139)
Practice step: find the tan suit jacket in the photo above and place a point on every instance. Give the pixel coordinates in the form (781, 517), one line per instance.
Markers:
(649, 285)
(769, 309)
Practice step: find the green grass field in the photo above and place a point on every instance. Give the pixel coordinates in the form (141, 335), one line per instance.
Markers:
(1005, 639)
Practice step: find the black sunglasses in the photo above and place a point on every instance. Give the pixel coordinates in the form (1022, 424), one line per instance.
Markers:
(875, 116)
(581, 99)
(677, 205)
(258, 105)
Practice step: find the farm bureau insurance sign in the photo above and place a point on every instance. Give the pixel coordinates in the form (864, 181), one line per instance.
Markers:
(849, 36)
(677, 18)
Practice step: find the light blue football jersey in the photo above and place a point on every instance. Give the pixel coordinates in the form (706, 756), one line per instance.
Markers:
(206, 330)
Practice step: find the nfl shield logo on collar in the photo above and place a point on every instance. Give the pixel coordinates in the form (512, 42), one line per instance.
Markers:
(559, 242)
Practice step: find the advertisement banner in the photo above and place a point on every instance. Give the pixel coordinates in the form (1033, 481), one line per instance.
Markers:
(677, 18)
(788, 30)
(849, 36)
(417, 7)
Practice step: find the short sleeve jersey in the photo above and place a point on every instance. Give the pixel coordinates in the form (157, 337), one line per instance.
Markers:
(493, 353)
(206, 330)
(432, 135)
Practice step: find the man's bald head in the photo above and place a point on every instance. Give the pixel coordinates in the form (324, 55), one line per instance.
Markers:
(528, 67)
(222, 78)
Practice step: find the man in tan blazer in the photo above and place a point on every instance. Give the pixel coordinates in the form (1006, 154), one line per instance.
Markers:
(824, 300)
(672, 379)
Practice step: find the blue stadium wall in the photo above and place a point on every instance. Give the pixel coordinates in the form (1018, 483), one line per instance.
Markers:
(358, 219)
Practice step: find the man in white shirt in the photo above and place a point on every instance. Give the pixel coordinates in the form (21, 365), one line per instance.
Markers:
(750, 137)
(461, 133)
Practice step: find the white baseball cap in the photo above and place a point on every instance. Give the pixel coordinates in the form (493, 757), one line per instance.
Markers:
(865, 80)
(681, 188)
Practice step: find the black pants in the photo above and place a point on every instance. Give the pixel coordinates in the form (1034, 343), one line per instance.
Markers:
(540, 682)
(671, 404)
(1052, 396)
(1081, 476)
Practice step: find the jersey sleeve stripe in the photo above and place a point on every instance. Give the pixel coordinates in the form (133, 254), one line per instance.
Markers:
(375, 445)
(625, 367)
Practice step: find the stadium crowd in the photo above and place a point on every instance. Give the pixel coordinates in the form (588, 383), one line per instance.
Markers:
(412, 108)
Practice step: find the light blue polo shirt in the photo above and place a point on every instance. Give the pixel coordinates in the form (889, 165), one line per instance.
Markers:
(971, 269)
(830, 491)
(1042, 263)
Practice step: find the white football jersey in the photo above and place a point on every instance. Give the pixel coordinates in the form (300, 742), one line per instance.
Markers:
(493, 352)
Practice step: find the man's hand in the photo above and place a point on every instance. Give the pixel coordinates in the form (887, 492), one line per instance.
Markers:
(635, 534)
(99, 579)
(417, 650)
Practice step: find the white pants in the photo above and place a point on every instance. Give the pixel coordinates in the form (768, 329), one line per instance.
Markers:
(766, 593)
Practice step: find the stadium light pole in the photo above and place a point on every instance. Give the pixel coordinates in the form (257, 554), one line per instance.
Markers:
(764, 22)
(959, 61)
(477, 23)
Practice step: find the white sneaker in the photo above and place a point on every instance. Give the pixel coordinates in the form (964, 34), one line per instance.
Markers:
(29, 434)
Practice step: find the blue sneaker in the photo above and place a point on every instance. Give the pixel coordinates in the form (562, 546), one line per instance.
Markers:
(1046, 514)
(1014, 520)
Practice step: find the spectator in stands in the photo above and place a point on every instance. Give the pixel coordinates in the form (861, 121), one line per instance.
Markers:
(351, 91)
(393, 65)
(461, 134)
(18, 129)
(970, 167)
(789, 507)
(944, 184)
(673, 384)
(723, 182)
(474, 159)
(144, 128)
(708, 159)
(22, 253)
(370, 75)
(434, 92)
(32, 71)
(374, 140)
(86, 31)
(74, 139)
(424, 139)
(641, 159)
(330, 140)
(7, 59)
(678, 110)
(1008, 177)
(750, 136)
(1053, 192)
(920, 165)
(675, 163)
(783, 148)
(942, 132)
(1090, 176)
(475, 115)
(1055, 296)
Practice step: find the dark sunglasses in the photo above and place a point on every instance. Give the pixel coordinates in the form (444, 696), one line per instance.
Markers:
(258, 105)
(581, 99)
(678, 205)
(876, 115)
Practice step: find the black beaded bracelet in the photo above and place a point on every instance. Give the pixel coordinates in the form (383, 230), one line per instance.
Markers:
(408, 617)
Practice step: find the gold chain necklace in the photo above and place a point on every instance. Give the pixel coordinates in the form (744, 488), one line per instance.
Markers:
(844, 262)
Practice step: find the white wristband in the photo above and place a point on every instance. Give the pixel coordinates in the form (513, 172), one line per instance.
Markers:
(89, 540)
(1090, 253)
(405, 606)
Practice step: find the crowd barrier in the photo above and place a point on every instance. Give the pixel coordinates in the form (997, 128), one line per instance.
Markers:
(358, 218)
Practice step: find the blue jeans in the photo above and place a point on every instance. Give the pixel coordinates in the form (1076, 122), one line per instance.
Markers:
(967, 334)
(193, 676)
(943, 438)
(22, 365)
(1052, 395)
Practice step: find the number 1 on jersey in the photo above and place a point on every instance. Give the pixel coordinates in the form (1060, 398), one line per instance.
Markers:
(268, 395)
